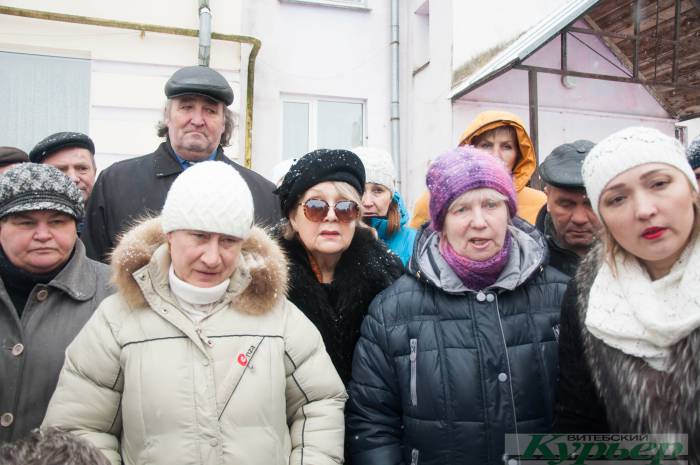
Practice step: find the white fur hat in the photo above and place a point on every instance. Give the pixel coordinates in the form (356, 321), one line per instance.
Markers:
(627, 149)
(209, 196)
(379, 167)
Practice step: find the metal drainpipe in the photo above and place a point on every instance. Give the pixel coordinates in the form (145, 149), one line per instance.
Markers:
(395, 128)
(178, 31)
(204, 32)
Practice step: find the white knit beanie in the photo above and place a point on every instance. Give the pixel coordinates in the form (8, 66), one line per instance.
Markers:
(379, 167)
(209, 196)
(627, 149)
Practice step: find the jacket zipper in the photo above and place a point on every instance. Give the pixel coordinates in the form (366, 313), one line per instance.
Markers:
(414, 355)
(414, 456)
(510, 378)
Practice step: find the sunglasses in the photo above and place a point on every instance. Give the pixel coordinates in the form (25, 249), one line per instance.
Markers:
(316, 210)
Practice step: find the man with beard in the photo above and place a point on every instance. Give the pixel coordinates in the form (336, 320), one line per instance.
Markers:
(567, 220)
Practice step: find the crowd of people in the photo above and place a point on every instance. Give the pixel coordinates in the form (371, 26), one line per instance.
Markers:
(182, 309)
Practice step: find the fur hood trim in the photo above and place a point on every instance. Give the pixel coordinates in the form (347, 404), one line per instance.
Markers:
(268, 278)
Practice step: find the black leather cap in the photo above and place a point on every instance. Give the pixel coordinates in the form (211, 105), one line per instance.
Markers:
(200, 80)
(562, 168)
(58, 141)
(11, 155)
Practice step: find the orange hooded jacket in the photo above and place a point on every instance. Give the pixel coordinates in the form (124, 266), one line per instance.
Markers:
(530, 201)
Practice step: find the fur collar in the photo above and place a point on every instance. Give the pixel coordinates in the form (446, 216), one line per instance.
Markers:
(637, 397)
(267, 286)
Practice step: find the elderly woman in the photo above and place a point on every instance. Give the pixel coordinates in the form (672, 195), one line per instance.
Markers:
(49, 289)
(199, 358)
(384, 209)
(630, 339)
(337, 265)
(462, 350)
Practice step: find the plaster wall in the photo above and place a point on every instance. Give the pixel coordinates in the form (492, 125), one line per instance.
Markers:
(128, 69)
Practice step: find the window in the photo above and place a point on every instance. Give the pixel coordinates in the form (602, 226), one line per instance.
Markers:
(358, 4)
(41, 95)
(311, 123)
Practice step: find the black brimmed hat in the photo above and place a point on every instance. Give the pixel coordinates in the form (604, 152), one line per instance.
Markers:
(59, 141)
(200, 80)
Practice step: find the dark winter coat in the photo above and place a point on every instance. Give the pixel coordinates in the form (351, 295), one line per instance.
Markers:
(602, 389)
(337, 309)
(561, 258)
(441, 373)
(34, 345)
(132, 189)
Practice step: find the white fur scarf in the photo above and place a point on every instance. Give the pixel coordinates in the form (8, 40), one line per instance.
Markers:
(641, 317)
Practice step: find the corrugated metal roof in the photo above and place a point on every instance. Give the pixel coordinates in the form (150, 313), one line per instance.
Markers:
(538, 35)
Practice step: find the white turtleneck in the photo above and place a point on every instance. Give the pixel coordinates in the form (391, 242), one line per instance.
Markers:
(196, 302)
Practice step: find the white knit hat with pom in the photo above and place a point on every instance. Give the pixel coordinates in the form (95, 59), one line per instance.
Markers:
(627, 149)
(209, 196)
(379, 167)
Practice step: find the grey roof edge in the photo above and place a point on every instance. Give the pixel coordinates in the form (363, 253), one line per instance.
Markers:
(528, 43)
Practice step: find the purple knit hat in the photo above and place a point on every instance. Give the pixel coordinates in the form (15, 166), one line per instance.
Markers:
(463, 169)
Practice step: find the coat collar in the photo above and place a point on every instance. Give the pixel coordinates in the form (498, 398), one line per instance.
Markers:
(260, 280)
(165, 162)
(73, 278)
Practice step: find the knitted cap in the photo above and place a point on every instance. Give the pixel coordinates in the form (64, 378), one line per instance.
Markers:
(31, 187)
(693, 153)
(464, 169)
(319, 166)
(627, 149)
(379, 167)
(209, 196)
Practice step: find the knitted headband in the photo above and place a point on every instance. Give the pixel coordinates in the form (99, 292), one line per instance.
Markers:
(209, 196)
(463, 169)
(627, 149)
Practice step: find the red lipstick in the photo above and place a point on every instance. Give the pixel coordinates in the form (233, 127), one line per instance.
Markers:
(653, 233)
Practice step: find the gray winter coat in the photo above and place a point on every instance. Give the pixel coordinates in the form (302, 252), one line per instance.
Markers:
(34, 346)
(441, 373)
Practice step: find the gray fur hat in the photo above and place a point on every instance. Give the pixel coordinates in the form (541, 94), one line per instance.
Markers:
(31, 187)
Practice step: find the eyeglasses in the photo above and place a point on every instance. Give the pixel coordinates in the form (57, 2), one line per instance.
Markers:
(316, 210)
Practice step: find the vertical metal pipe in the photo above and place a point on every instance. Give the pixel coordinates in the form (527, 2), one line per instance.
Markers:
(395, 127)
(564, 60)
(676, 38)
(204, 32)
(637, 19)
(534, 122)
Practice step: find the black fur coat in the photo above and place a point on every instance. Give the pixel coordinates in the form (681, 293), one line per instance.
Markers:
(602, 389)
(365, 269)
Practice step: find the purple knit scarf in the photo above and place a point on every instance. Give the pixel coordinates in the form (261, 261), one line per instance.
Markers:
(476, 275)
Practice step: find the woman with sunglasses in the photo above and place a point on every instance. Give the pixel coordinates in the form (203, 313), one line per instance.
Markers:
(199, 359)
(337, 265)
(461, 351)
(630, 339)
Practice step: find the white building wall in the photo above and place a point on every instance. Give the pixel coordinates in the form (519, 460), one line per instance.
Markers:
(320, 51)
(128, 68)
(426, 109)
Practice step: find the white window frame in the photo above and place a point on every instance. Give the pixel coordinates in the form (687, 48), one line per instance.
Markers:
(312, 101)
(350, 4)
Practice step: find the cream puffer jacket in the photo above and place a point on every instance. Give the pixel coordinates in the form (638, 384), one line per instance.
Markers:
(250, 384)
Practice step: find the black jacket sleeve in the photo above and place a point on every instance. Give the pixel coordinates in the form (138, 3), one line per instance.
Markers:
(95, 237)
(578, 408)
(374, 407)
